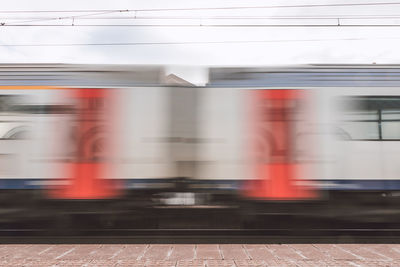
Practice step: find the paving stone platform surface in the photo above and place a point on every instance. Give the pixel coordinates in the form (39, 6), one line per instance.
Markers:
(235, 255)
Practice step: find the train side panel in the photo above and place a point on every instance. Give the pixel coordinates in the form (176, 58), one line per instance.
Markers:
(33, 124)
(222, 154)
(363, 159)
(142, 135)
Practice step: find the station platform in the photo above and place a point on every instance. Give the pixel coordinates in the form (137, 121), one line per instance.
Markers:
(235, 255)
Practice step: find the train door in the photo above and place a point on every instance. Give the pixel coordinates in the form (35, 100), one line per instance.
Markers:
(278, 117)
(88, 142)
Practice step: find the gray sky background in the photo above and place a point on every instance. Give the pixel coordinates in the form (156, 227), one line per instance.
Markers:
(380, 45)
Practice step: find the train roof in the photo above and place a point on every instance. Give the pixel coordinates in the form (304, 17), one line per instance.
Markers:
(306, 76)
(140, 75)
(80, 75)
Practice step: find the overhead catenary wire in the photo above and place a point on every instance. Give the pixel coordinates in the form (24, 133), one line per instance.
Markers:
(86, 17)
(204, 8)
(94, 15)
(63, 17)
(314, 17)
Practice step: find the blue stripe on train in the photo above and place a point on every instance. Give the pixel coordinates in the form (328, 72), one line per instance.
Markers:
(21, 183)
(360, 184)
(37, 183)
(350, 184)
(336, 184)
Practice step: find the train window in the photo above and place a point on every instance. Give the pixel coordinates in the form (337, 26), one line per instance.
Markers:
(42, 109)
(391, 130)
(391, 114)
(8, 101)
(371, 117)
(364, 115)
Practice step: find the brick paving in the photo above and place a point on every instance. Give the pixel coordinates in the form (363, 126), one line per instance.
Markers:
(233, 255)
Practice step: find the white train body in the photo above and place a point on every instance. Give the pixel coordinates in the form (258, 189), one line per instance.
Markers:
(206, 134)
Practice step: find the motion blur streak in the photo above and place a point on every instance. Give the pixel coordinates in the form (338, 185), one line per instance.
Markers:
(128, 147)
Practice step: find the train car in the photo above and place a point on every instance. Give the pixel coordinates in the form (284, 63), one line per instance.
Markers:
(80, 133)
(129, 143)
(304, 134)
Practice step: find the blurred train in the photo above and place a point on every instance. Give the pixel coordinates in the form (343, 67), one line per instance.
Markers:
(296, 139)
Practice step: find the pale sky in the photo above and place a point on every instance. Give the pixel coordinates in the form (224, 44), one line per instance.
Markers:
(379, 44)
